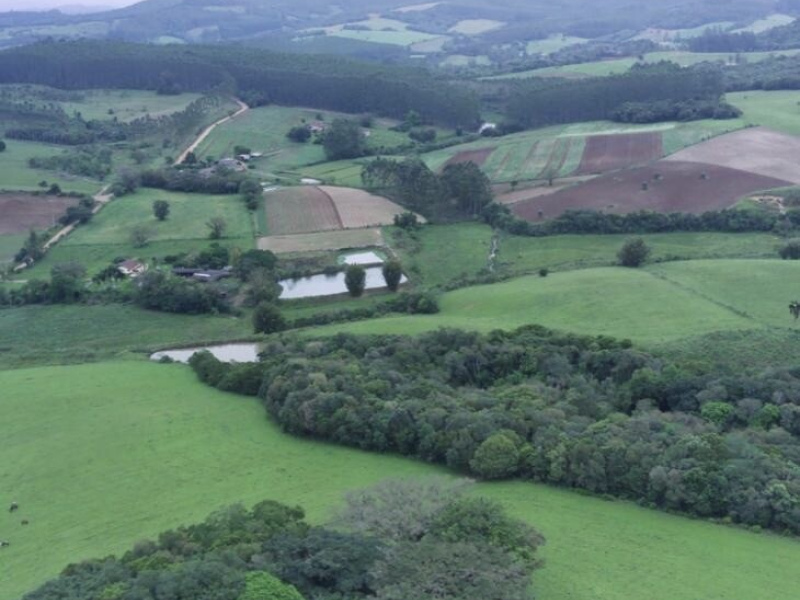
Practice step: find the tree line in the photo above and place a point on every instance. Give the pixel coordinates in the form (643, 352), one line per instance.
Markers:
(397, 540)
(583, 412)
(258, 76)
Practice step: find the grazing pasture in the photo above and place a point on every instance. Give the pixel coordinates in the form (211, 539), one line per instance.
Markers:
(22, 212)
(302, 209)
(9, 246)
(605, 153)
(16, 174)
(154, 449)
(665, 186)
(322, 241)
(127, 105)
(756, 150)
(776, 110)
(475, 26)
(553, 43)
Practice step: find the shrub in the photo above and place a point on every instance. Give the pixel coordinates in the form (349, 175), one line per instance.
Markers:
(634, 253)
(392, 274)
(267, 318)
(355, 278)
(791, 250)
(161, 209)
(544, 272)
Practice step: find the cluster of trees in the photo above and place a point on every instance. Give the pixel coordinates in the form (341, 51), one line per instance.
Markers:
(715, 39)
(776, 73)
(674, 110)
(401, 539)
(536, 104)
(87, 161)
(589, 221)
(588, 413)
(461, 188)
(258, 76)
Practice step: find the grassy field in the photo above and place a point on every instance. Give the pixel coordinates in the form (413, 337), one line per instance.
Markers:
(554, 43)
(264, 130)
(101, 456)
(127, 104)
(74, 334)
(107, 236)
(779, 110)
(9, 245)
(621, 65)
(622, 303)
(15, 174)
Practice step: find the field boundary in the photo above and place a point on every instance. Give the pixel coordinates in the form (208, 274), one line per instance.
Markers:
(335, 208)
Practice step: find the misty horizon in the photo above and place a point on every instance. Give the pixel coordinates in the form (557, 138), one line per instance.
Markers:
(44, 5)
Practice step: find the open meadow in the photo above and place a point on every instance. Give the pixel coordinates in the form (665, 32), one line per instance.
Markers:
(776, 110)
(127, 105)
(101, 456)
(17, 175)
(109, 235)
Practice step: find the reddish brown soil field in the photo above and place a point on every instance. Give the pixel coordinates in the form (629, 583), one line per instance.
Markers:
(21, 212)
(477, 156)
(303, 209)
(681, 188)
(605, 153)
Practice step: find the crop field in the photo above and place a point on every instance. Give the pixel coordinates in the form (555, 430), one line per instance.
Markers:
(478, 157)
(769, 153)
(15, 174)
(672, 186)
(605, 153)
(154, 450)
(22, 212)
(302, 209)
(357, 208)
(341, 172)
(321, 241)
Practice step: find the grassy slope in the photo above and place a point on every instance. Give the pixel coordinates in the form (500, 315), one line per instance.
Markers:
(107, 236)
(127, 104)
(154, 448)
(777, 110)
(16, 175)
(9, 245)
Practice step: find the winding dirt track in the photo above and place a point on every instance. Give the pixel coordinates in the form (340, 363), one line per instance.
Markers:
(243, 108)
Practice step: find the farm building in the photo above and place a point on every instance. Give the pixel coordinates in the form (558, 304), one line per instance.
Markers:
(132, 268)
(203, 275)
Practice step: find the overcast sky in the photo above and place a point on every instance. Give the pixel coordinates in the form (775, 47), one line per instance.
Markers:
(6, 5)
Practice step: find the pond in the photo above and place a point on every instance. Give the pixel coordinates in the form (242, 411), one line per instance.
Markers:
(362, 258)
(239, 353)
(329, 285)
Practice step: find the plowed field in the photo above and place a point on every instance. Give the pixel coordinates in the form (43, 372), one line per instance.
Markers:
(358, 208)
(477, 156)
(671, 187)
(303, 209)
(22, 212)
(605, 153)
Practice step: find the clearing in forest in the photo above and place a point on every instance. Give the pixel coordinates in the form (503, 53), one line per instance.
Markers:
(605, 153)
(757, 150)
(666, 186)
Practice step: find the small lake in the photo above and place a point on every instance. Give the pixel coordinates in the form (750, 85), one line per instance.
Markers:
(362, 258)
(240, 353)
(329, 285)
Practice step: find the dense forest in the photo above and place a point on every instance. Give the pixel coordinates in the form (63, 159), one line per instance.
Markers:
(396, 541)
(582, 412)
(258, 76)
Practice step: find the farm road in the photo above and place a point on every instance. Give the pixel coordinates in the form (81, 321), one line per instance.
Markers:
(243, 108)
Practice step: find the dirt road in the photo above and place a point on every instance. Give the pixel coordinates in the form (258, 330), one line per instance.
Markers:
(243, 108)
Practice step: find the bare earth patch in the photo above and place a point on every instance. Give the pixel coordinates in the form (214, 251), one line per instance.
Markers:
(605, 153)
(302, 209)
(322, 242)
(358, 208)
(757, 150)
(22, 212)
(671, 187)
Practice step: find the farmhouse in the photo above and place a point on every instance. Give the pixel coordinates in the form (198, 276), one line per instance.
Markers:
(132, 268)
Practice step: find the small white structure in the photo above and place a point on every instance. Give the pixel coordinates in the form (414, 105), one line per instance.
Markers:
(487, 127)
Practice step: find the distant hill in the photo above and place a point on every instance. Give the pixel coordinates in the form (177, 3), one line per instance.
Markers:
(210, 21)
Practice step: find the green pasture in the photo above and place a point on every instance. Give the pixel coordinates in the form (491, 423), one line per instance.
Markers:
(779, 110)
(127, 105)
(74, 334)
(475, 26)
(341, 172)
(264, 130)
(397, 38)
(15, 174)
(613, 301)
(102, 456)
(554, 43)
(108, 236)
(9, 246)
(621, 65)
(767, 23)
